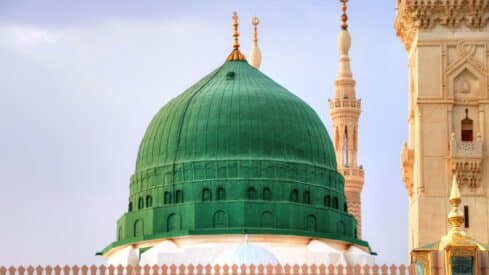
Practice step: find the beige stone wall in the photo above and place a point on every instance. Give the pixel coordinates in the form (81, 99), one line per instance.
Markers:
(448, 57)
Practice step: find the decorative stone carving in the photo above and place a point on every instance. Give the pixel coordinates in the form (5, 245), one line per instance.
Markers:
(407, 165)
(415, 15)
(466, 160)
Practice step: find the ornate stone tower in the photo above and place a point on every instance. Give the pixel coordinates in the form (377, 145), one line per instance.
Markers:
(344, 111)
(448, 53)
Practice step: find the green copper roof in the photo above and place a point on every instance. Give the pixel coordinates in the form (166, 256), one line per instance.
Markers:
(236, 153)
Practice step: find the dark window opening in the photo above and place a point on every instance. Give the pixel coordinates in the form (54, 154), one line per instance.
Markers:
(307, 197)
(167, 198)
(149, 201)
(206, 194)
(130, 206)
(345, 207)
(467, 127)
(179, 196)
(327, 201)
(267, 194)
(335, 203)
(221, 194)
(466, 216)
(140, 203)
(251, 193)
(294, 195)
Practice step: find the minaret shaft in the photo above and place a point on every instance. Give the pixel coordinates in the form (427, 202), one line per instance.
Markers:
(345, 111)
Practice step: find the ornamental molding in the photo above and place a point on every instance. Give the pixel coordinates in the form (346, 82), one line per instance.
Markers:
(465, 54)
(466, 161)
(415, 15)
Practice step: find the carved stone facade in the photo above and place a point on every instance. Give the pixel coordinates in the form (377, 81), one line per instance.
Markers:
(345, 111)
(448, 56)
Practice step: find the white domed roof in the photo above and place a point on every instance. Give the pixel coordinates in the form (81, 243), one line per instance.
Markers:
(246, 254)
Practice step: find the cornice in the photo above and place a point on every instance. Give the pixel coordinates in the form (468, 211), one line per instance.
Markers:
(415, 15)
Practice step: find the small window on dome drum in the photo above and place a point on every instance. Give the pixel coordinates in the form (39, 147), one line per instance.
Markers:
(327, 201)
(294, 195)
(140, 203)
(221, 194)
(345, 207)
(130, 206)
(307, 197)
(251, 193)
(206, 194)
(335, 203)
(179, 196)
(467, 127)
(167, 198)
(149, 201)
(267, 194)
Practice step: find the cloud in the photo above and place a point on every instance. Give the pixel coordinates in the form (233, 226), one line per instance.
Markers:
(23, 36)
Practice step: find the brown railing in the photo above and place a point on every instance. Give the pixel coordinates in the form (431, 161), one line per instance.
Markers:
(208, 269)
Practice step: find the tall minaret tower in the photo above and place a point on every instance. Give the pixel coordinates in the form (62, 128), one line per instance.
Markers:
(345, 110)
(447, 45)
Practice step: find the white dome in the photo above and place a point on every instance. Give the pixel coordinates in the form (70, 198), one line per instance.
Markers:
(247, 254)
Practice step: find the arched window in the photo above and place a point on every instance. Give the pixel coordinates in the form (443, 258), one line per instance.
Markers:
(130, 206)
(467, 127)
(327, 201)
(267, 194)
(251, 193)
(206, 194)
(179, 196)
(138, 230)
(307, 197)
(140, 203)
(335, 203)
(294, 195)
(167, 198)
(149, 201)
(221, 194)
(345, 207)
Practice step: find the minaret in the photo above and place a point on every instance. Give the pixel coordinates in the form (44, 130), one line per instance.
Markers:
(255, 54)
(345, 110)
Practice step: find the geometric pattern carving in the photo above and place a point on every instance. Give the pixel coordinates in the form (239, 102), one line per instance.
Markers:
(466, 160)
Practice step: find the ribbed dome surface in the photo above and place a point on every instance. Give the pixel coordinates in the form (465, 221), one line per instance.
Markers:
(236, 154)
(236, 112)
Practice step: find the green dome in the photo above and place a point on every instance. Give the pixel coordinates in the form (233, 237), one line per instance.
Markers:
(236, 153)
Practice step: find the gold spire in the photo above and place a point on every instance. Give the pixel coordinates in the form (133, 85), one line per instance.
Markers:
(255, 21)
(455, 217)
(344, 17)
(236, 55)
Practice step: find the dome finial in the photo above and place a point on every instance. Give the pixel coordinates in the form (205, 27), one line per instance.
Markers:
(344, 16)
(236, 55)
(255, 54)
(455, 217)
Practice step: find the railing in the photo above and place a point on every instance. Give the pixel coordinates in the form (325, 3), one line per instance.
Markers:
(208, 269)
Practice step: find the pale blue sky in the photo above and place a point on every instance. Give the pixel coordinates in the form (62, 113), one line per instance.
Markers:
(80, 81)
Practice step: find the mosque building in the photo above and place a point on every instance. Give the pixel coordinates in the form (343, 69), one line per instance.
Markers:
(238, 170)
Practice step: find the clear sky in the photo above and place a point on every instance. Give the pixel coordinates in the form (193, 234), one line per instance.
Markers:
(80, 81)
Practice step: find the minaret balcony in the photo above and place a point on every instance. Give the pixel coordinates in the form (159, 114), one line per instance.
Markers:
(345, 103)
(354, 178)
(466, 162)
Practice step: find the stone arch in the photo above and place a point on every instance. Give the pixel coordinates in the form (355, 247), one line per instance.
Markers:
(220, 219)
(311, 223)
(138, 228)
(173, 222)
(267, 219)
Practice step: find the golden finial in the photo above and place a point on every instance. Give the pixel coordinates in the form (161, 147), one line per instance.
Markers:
(255, 21)
(455, 217)
(344, 16)
(236, 55)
